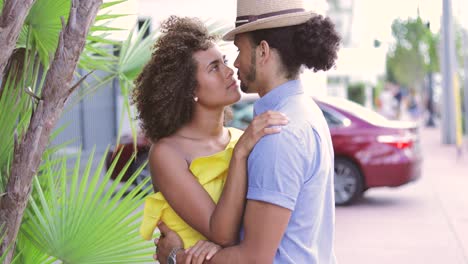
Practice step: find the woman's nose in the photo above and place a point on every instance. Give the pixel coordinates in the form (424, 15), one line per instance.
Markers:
(229, 71)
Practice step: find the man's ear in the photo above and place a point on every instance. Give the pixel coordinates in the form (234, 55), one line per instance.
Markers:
(264, 51)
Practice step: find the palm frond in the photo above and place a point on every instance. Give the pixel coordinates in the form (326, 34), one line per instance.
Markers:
(136, 52)
(28, 253)
(109, 16)
(15, 112)
(2, 233)
(44, 23)
(97, 54)
(16, 259)
(87, 219)
(109, 4)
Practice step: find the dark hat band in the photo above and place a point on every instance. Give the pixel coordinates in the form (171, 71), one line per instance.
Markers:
(242, 20)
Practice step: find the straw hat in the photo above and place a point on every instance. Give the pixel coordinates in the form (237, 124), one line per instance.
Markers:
(261, 14)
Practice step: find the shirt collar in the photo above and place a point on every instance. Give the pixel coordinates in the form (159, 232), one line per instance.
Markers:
(276, 95)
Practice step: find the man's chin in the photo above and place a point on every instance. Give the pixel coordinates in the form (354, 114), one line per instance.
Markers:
(245, 89)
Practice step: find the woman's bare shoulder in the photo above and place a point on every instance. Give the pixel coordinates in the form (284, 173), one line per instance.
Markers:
(165, 149)
(167, 164)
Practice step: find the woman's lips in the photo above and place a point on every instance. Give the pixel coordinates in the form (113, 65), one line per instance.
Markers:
(233, 84)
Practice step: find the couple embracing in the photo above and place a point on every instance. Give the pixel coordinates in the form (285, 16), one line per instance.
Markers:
(263, 195)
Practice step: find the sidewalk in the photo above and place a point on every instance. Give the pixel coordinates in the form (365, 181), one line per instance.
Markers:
(422, 222)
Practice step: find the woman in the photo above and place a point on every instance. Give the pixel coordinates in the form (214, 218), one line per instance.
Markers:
(198, 165)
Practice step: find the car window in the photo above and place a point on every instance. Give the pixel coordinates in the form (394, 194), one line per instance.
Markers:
(358, 110)
(242, 115)
(331, 119)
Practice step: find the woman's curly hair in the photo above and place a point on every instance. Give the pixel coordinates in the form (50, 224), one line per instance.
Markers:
(314, 44)
(165, 89)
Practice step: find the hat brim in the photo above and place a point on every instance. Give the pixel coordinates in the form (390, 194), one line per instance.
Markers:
(271, 22)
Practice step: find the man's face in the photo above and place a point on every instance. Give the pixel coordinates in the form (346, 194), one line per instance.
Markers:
(246, 63)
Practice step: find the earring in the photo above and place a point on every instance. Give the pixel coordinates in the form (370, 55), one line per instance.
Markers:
(195, 99)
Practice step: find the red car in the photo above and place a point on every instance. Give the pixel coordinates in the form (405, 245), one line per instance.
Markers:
(127, 149)
(370, 150)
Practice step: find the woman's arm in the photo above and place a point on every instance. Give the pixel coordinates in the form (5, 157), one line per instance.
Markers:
(226, 219)
(219, 223)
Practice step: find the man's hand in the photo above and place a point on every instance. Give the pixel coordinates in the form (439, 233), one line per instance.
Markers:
(201, 251)
(166, 242)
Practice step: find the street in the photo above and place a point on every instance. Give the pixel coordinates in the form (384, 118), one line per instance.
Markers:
(422, 222)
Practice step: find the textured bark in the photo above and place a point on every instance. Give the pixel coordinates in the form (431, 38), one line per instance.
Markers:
(13, 15)
(56, 90)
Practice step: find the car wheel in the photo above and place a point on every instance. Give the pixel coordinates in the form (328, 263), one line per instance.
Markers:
(349, 183)
(141, 158)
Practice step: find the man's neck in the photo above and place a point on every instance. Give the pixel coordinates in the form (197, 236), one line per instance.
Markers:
(272, 84)
(271, 76)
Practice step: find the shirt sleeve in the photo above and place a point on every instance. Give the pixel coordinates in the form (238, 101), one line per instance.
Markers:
(277, 168)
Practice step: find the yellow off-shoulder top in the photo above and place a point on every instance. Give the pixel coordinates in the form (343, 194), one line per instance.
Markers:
(211, 172)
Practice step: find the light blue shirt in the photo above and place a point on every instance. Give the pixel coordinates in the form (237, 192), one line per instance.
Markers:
(294, 170)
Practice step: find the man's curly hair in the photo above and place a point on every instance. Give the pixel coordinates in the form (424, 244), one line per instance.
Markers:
(314, 44)
(165, 89)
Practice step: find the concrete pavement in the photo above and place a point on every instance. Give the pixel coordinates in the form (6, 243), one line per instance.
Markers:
(422, 222)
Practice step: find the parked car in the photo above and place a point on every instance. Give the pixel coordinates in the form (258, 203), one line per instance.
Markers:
(370, 150)
(126, 149)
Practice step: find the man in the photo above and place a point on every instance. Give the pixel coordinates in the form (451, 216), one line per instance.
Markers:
(289, 214)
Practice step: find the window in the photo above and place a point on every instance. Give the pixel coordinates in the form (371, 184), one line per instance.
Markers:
(333, 118)
(141, 23)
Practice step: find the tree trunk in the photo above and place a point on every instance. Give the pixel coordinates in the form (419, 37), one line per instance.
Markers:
(56, 90)
(13, 15)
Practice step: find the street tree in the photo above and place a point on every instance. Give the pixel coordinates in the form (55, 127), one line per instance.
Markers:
(414, 53)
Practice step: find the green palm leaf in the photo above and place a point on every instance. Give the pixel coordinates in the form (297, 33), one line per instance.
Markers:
(99, 50)
(135, 52)
(28, 253)
(111, 3)
(2, 236)
(87, 219)
(44, 23)
(16, 259)
(15, 112)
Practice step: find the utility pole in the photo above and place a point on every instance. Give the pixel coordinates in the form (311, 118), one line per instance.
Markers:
(448, 71)
(465, 87)
(430, 91)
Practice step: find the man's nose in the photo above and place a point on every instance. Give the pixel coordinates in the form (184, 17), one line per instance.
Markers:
(236, 62)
